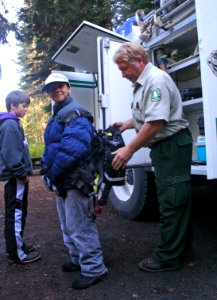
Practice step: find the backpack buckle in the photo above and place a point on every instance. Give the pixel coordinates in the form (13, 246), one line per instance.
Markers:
(93, 205)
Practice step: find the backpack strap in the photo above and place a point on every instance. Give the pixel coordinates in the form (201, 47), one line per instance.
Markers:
(69, 114)
(82, 178)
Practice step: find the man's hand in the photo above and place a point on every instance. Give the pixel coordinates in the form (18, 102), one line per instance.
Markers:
(121, 158)
(122, 126)
(147, 131)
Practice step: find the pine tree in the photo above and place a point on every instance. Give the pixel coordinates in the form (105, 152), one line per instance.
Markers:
(43, 26)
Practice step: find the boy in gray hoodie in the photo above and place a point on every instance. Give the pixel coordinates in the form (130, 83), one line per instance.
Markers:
(15, 167)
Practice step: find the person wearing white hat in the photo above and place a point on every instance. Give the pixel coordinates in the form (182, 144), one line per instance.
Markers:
(68, 137)
(54, 80)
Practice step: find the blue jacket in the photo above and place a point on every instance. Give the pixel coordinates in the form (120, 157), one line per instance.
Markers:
(67, 142)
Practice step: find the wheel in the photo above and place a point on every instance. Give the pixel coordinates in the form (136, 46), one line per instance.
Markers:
(137, 197)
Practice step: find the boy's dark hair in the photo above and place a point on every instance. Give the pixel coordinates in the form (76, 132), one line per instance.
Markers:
(16, 97)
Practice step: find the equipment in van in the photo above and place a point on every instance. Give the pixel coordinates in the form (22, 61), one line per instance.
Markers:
(212, 62)
(190, 93)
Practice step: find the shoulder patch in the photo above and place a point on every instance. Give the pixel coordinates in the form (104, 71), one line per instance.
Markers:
(156, 95)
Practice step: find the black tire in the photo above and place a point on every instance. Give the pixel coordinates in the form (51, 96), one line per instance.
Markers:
(137, 198)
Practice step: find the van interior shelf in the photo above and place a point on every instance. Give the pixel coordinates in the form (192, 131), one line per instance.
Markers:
(192, 105)
(167, 36)
(199, 169)
(190, 60)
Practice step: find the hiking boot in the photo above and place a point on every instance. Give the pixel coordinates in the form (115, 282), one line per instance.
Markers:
(27, 248)
(31, 257)
(149, 265)
(84, 282)
(70, 267)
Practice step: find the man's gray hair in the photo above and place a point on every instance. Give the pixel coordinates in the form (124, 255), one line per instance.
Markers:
(130, 52)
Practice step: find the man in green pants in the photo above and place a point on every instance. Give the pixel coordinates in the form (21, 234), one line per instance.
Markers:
(158, 121)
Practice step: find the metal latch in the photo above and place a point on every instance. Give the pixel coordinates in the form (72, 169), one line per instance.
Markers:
(106, 43)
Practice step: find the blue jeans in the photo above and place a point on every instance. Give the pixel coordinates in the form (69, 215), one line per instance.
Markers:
(80, 233)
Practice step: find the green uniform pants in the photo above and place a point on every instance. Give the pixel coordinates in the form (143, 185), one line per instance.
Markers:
(171, 159)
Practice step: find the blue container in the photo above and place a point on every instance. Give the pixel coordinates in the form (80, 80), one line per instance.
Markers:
(201, 153)
(201, 148)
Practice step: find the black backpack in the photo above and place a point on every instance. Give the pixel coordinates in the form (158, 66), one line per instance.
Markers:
(96, 177)
(103, 145)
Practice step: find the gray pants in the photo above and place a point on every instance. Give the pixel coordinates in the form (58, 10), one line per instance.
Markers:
(80, 233)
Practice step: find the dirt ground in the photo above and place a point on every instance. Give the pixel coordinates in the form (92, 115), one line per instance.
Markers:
(124, 244)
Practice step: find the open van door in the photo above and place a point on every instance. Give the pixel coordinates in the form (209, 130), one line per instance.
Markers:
(116, 94)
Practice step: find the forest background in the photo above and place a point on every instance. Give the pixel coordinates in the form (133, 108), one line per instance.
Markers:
(41, 28)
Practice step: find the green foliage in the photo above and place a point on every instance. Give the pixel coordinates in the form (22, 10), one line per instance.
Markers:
(4, 29)
(5, 25)
(45, 25)
(127, 8)
(2, 107)
(36, 150)
(42, 27)
(36, 118)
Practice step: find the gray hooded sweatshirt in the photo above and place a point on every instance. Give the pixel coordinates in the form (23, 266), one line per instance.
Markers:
(15, 160)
